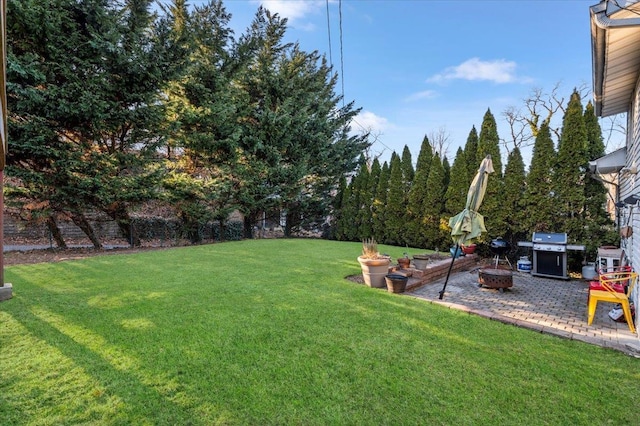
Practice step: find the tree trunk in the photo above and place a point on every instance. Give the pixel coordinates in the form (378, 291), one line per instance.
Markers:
(52, 225)
(81, 222)
(289, 225)
(248, 226)
(222, 229)
(120, 214)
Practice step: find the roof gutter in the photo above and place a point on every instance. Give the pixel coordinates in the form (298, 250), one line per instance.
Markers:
(600, 24)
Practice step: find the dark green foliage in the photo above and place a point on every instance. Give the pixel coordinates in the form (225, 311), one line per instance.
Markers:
(374, 180)
(345, 223)
(355, 201)
(417, 193)
(456, 196)
(85, 117)
(569, 184)
(494, 212)
(471, 153)
(514, 187)
(379, 208)
(208, 105)
(336, 210)
(295, 136)
(99, 90)
(433, 204)
(395, 211)
(538, 200)
(408, 172)
(447, 171)
(362, 193)
(516, 204)
(598, 224)
(163, 230)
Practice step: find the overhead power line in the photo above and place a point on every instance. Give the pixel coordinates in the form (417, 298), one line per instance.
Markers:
(341, 52)
(329, 33)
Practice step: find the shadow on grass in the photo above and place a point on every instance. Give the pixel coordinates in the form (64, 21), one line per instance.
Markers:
(162, 399)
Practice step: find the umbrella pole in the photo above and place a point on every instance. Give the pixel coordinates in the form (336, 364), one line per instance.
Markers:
(453, 259)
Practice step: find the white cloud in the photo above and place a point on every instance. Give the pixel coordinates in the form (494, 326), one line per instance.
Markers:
(498, 71)
(368, 121)
(425, 94)
(294, 10)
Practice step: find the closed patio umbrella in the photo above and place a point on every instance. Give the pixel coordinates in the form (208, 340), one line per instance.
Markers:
(469, 224)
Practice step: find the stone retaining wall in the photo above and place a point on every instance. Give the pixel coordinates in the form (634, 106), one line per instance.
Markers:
(438, 270)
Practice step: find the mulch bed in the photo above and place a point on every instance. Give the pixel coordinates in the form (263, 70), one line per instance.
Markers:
(58, 255)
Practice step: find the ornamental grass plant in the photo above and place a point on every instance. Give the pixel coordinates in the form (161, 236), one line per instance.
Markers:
(270, 332)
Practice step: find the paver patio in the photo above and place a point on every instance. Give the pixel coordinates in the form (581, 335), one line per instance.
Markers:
(553, 306)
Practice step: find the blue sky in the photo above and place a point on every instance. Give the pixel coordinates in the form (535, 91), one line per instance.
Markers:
(429, 67)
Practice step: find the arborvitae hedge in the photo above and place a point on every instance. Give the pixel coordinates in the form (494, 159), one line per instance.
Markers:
(456, 195)
(396, 207)
(538, 199)
(514, 186)
(516, 204)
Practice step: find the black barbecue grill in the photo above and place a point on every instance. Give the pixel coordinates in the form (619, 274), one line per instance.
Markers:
(550, 254)
(499, 248)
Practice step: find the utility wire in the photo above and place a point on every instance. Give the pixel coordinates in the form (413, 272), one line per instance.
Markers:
(329, 33)
(377, 140)
(627, 8)
(341, 52)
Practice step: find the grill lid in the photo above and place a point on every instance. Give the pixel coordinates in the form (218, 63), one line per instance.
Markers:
(549, 237)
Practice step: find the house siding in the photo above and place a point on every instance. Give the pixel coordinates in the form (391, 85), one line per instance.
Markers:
(630, 185)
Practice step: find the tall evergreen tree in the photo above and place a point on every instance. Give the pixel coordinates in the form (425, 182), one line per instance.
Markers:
(447, 171)
(335, 232)
(408, 172)
(362, 196)
(379, 208)
(366, 227)
(598, 224)
(456, 195)
(199, 185)
(539, 201)
(471, 153)
(415, 215)
(346, 229)
(85, 105)
(396, 208)
(569, 185)
(433, 205)
(514, 187)
(494, 211)
(296, 138)
(356, 196)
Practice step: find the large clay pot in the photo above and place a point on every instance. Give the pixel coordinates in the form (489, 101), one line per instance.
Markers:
(374, 271)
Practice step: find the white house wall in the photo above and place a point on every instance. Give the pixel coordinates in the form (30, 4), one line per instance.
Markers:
(630, 184)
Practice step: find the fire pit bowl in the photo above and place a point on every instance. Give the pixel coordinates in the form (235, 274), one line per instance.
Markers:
(495, 278)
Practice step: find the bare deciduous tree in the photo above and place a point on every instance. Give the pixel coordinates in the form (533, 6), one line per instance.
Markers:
(440, 141)
(540, 106)
(614, 131)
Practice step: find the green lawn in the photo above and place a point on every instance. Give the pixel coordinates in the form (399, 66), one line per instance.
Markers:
(269, 332)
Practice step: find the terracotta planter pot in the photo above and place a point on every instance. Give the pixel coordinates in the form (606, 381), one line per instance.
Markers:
(374, 271)
(470, 249)
(404, 262)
